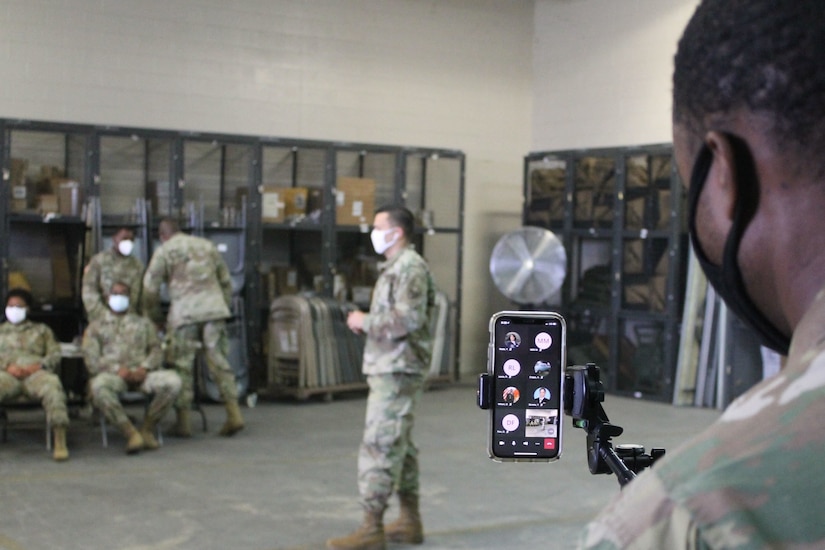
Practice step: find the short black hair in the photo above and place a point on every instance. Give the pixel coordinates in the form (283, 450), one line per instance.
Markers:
(121, 283)
(21, 293)
(400, 217)
(168, 226)
(763, 56)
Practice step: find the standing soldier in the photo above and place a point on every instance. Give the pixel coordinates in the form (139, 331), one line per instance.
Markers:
(29, 355)
(396, 357)
(109, 266)
(200, 292)
(122, 352)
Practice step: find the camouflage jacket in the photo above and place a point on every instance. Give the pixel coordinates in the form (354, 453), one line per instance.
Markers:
(112, 341)
(104, 269)
(28, 343)
(753, 479)
(197, 277)
(397, 325)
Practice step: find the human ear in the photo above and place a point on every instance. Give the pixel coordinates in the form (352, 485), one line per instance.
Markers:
(722, 185)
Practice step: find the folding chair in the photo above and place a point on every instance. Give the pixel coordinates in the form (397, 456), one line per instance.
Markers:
(22, 404)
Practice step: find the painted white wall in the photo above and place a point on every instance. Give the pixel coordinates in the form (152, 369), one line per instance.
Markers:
(441, 73)
(494, 78)
(603, 71)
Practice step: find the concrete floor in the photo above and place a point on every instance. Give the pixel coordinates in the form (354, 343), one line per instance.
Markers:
(288, 481)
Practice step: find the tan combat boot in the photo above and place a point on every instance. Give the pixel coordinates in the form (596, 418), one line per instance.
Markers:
(183, 427)
(407, 528)
(147, 432)
(60, 452)
(234, 420)
(134, 441)
(369, 536)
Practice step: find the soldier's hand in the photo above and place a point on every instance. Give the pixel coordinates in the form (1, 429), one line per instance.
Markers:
(355, 321)
(124, 373)
(16, 371)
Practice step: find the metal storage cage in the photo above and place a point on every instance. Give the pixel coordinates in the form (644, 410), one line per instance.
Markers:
(291, 215)
(620, 214)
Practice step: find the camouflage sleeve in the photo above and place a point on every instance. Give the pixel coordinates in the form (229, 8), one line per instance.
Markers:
(154, 355)
(155, 275)
(408, 312)
(90, 292)
(224, 278)
(6, 345)
(136, 291)
(91, 349)
(51, 349)
(643, 516)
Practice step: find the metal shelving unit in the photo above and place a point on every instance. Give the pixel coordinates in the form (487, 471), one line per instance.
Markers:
(214, 182)
(620, 214)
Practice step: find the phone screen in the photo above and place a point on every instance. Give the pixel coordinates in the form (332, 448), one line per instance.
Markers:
(528, 354)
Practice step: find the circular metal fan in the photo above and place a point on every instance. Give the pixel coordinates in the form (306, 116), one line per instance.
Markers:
(528, 265)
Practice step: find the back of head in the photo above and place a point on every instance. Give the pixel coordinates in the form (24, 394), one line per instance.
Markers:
(400, 217)
(168, 227)
(760, 56)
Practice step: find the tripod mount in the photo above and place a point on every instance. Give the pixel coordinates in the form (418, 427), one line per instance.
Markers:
(583, 397)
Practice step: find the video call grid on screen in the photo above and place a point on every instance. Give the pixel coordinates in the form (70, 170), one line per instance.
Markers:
(527, 372)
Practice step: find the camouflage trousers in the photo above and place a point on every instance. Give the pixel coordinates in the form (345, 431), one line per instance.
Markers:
(183, 346)
(105, 387)
(388, 458)
(42, 385)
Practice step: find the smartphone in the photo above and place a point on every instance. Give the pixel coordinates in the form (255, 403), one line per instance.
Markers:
(526, 359)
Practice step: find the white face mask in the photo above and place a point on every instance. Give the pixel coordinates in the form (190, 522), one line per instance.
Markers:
(15, 314)
(119, 303)
(125, 247)
(379, 239)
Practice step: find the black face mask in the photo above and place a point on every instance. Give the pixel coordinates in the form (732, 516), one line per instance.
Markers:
(727, 278)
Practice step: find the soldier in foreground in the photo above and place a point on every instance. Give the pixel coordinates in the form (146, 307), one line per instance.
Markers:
(122, 352)
(29, 355)
(200, 291)
(108, 266)
(396, 357)
(749, 136)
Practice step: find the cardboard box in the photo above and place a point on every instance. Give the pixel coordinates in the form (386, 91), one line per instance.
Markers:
(286, 280)
(69, 198)
(47, 203)
(23, 196)
(354, 201)
(17, 171)
(272, 204)
(633, 257)
(282, 204)
(650, 295)
(295, 202)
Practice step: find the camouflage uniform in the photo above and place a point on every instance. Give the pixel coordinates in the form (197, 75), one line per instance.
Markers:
(200, 291)
(754, 479)
(28, 343)
(396, 356)
(128, 340)
(104, 269)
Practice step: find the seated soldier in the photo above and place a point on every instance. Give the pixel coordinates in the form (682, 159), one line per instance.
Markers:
(29, 355)
(122, 352)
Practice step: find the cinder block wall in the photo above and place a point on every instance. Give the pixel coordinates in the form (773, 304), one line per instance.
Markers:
(447, 73)
(495, 78)
(602, 71)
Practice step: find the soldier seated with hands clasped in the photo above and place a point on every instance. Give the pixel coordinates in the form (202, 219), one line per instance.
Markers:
(122, 352)
(29, 353)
